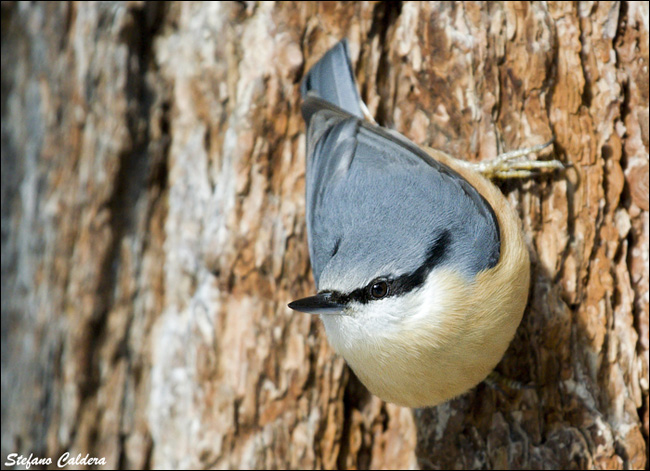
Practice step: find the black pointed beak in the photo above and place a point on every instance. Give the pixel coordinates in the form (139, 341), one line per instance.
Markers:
(322, 303)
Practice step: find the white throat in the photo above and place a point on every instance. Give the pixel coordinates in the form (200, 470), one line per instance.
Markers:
(362, 326)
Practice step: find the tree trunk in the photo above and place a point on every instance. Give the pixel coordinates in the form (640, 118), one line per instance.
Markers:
(153, 231)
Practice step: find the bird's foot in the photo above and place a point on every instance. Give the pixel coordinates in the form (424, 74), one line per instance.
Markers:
(515, 164)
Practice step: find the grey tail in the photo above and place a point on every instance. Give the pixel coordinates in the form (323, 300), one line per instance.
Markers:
(331, 79)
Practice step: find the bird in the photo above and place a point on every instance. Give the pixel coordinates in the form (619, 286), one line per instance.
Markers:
(420, 264)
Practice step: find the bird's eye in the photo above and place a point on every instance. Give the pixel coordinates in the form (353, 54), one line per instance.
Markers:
(378, 289)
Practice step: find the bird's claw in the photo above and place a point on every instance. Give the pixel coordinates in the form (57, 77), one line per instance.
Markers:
(516, 164)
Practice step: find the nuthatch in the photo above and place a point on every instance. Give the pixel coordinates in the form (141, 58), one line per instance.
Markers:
(420, 263)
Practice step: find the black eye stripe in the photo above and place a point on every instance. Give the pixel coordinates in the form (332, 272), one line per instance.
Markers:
(404, 283)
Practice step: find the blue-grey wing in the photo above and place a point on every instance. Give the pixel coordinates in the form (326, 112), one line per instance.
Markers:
(377, 205)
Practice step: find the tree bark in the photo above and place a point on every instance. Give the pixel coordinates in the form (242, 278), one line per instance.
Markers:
(153, 231)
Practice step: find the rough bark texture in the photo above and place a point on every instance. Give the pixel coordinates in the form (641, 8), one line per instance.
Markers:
(153, 231)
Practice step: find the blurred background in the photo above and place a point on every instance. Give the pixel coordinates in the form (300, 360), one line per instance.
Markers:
(153, 231)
